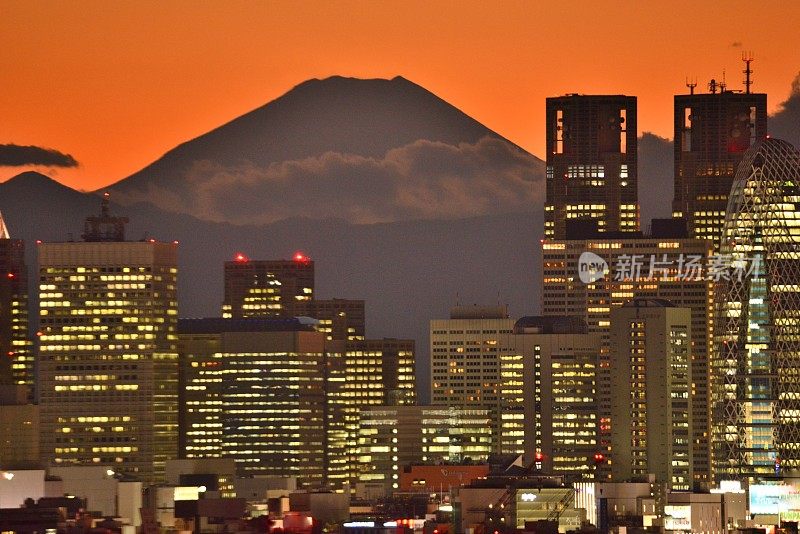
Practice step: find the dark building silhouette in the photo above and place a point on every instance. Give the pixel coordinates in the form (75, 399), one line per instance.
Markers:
(712, 132)
(591, 163)
(16, 355)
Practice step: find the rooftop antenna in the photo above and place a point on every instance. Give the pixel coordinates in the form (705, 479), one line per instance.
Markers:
(747, 57)
(691, 84)
(723, 84)
(712, 86)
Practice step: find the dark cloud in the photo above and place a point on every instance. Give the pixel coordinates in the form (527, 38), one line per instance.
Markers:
(785, 123)
(422, 180)
(656, 177)
(18, 155)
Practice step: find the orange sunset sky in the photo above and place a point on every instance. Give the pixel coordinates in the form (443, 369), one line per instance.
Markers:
(116, 84)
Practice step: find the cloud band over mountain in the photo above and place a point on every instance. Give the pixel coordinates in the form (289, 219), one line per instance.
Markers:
(18, 155)
(422, 180)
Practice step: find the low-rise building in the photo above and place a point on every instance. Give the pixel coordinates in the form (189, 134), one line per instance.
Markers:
(439, 478)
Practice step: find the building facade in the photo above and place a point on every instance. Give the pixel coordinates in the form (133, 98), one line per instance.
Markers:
(651, 406)
(560, 363)
(363, 374)
(466, 352)
(393, 437)
(108, 356)
(591, 163)
(254, 390)
(258, 288)
(712, 133)
(756, 386)
(635, 266)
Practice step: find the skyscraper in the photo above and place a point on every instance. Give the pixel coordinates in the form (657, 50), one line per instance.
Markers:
(373, 372)
(712, 132)
(465, 360)
(270, 288)
(591, 163)
(756, 383)
(108, 361)
(651, 406)
(16, 354)
(560, 363)
(662, 265)
(260, 288)
(281, 398)
(254, 390)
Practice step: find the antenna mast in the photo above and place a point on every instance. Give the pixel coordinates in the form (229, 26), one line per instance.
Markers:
(691, 84)
(747, 57)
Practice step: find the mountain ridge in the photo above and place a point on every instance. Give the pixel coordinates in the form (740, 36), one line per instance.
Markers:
(366, 150)
(317, 87)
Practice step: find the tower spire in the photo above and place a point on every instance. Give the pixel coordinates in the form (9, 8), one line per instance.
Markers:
(3, 229)
(747, 57)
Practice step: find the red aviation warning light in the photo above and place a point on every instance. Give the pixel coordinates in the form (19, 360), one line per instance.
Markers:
(240, 257)
(539, 456)
(299, 257)
(599, 457)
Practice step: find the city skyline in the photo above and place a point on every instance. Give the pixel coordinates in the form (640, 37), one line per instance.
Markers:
(133, 87)
(251, 334)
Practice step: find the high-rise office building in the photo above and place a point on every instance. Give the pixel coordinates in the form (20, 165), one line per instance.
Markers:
(108, 367)
(712, 132)
(560, 366)
(317, 421)
(16, 353)
(756, 383)
(372, 372)
(254, 390)
(269, 288)
(259, 288)
(591, 163)
(651, 405)
(393, 437)
(466, 353)
(635, 266)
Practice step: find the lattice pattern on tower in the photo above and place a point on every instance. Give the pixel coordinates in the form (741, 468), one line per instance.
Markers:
(756, 367)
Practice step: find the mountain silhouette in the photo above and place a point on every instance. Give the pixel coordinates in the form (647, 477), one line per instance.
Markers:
(365, 151)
